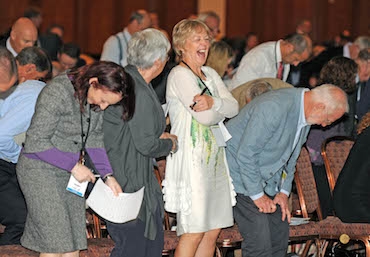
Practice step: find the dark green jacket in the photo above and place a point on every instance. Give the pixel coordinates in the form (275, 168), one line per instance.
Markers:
(132, 145)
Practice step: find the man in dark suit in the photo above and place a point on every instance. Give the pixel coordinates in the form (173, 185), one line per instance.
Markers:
(23, 34)
(349, 50)
(267, 136)
(363, 92)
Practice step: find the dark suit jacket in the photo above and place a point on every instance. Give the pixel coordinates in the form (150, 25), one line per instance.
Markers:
(352, 190)
(132, 145)
(315, 65)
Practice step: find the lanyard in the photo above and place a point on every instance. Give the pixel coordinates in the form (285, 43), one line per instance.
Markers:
(201, 81)
(276, 60)
(83, 136)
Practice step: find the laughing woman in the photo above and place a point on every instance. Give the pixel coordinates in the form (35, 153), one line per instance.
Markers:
(197, 185)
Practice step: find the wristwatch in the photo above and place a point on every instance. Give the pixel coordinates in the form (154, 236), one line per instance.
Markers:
(107, 177)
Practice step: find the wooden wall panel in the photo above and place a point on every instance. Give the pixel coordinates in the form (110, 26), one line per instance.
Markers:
(239, 17)
(339, 17)
(361, 17)
(61, 12)
(102, 26)
(90, 22)
(10, 11)
(176, 11)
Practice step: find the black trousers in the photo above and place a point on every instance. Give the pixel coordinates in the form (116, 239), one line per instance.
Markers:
(13, 210)
(130, 241)
(323, 190)
(265, 234)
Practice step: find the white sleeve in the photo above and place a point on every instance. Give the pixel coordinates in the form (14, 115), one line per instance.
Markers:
(183, 85)
(250, 68)
(224, 103)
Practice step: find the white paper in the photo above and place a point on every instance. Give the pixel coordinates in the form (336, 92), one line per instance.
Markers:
(117, 209)
(294, 221)
(165, 108)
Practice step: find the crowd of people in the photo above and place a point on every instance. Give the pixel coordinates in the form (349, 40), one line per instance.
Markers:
(223, 120)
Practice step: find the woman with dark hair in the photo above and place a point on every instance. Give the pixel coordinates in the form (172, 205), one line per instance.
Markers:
(341, 72)
(67, 123)
(352, 192)
(132, 145)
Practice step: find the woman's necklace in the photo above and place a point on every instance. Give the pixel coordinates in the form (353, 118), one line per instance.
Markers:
(202, 74)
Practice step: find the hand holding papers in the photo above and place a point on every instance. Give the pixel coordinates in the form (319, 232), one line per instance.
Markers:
(117, 209)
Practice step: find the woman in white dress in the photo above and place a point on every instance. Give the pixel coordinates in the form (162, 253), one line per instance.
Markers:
(197, 185)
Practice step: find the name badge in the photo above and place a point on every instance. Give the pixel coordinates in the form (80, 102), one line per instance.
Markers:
(76, 187)
(221, 134)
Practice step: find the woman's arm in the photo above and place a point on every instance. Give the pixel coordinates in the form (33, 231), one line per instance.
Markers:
(183, 84)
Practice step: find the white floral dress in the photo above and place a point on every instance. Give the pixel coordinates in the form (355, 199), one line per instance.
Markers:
(197, 185)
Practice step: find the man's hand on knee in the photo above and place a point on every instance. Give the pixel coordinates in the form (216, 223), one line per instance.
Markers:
(282, 200)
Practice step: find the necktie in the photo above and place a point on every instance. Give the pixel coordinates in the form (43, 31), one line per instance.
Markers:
(280, 71)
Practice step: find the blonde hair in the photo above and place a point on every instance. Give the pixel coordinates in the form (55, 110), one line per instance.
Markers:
(218, 55)
(183, 30)
(364, 123)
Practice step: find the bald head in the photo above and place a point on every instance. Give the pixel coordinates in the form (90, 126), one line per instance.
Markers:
(23, 34)
(325, 104)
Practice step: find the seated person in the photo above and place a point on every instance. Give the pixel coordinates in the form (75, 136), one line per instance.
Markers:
(68, 57)
(219, 57)
(352, 192)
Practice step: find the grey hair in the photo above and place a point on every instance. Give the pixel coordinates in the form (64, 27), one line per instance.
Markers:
(35, 55)
(362, 42)
(332, 96)
(364, 54)
(8, 66)
(204, 15)
(300, 42)
(138, 16)
(147, 46)
(257, 88)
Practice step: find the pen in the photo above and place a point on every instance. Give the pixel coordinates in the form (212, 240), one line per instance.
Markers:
(203, 91)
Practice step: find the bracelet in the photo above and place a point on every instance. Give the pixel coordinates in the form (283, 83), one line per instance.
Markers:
(107, 176)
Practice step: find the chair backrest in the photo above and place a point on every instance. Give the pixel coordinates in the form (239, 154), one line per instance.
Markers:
(334, 152)
(306, 186)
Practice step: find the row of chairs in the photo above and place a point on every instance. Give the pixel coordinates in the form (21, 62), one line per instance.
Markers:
(334, 152)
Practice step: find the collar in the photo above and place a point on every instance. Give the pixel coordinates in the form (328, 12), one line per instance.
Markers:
(126, 34)
(278, 58)
(10, 48)
(346, 50)
(302, 122)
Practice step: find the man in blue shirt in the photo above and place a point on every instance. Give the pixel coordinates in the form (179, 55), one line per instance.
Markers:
(8, 71)
(267, 136)
(16, 111)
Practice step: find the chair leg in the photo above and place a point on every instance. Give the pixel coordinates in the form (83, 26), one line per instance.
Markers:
(367, 245)
(97, 227)
(306, 248)
(220, 251)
